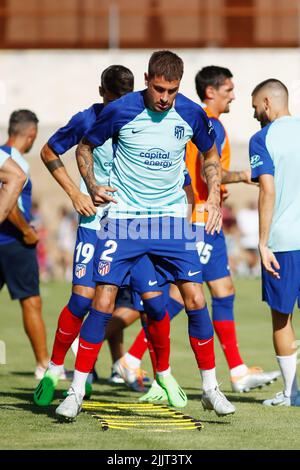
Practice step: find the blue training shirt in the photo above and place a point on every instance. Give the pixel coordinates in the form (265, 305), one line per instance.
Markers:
(71, 134)
(8, 231)
(149, 148)
(275, 150)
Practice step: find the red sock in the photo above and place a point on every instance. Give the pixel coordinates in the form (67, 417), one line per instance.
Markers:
(67, 330)
(225, 330)
(204, 352)
(139, 346)
(152, 357)
(87, 355)
(159, 335)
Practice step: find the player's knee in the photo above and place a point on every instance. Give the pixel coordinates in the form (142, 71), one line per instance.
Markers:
(155, 308)
(79, 305)
(195, 301)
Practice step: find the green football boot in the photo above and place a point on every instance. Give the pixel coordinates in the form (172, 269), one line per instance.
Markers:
(155, 393)
(44, 392)
(176, 396)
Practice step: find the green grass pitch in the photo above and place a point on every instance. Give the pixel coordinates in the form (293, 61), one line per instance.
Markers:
(25, 426)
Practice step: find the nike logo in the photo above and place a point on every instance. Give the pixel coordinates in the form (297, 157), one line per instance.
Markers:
(135, 131)
(190, 273)
(202, 344)
(152, 283)
(84, 347)
(63, 332)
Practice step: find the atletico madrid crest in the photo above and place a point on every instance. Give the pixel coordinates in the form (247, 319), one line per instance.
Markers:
(103, 267)
(80, 270)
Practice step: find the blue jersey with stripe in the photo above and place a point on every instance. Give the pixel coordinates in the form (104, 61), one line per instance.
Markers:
(149, 147)
(8, 231)
(275, 150)
(71, 134)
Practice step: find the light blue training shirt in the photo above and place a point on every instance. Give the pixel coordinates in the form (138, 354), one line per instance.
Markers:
(149, 149)
(275, 150)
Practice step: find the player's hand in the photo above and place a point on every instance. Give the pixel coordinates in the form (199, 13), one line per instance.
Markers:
(83, 204)
(214, 221)
(269, 261)
(225, 194)
(30, 237)
(101, 194)
(247, 178)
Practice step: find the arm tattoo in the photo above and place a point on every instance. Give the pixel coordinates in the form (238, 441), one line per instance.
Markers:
(85, 164)
(54, 164)
(212, 174)
(232, 176)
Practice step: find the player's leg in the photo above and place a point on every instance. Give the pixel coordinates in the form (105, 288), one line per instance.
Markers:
(281, 295)
(35, 328)
(213, 255)
(72, 314)
(285, 348)
(92, 334)
(202, 343)
(111, 265)
(126, 367)
(23, 285)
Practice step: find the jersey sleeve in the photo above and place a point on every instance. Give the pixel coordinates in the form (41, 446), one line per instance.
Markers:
(204, 135)
(260, 159)
(106, 126)
(187, 178)
(3, 157)
(70, 134)
(220, 135)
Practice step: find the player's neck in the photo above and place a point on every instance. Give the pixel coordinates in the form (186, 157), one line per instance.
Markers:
(212, 107)
(17, 142)
(280, 114)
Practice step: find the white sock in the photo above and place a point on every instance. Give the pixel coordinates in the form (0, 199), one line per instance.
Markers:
(74, 346)
(164, 373)
(239, 370)
(209, 379)
(288, 366)
(132, 361)
(78, 383)
(55, 369)
(155, 384)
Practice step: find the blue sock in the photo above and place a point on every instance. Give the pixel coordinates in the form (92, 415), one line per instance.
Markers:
(93, 329)
(155, 307)
(200, 325)
(222, 308)
(79, 305)
(173, 307)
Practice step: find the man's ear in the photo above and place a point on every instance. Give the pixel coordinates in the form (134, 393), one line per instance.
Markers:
(209, 92)
(146, 77)
(100, 91)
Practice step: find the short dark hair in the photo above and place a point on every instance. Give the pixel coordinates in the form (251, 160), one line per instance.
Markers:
(117, 79)
(212, 75)
(270, 81)
(20, 119)
(165, 64)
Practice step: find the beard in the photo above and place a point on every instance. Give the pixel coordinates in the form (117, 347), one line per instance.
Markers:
(263, 119)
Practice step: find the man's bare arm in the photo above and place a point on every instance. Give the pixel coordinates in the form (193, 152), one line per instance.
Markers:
(266, 203)
(13, 179)
(82, 202)
(85, 162)
(16, 217)
(212, 172)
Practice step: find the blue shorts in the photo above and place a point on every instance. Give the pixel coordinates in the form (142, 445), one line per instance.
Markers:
(281, 294)
(142, 277)
(19, 270)
(169, 243)
(213, 257)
